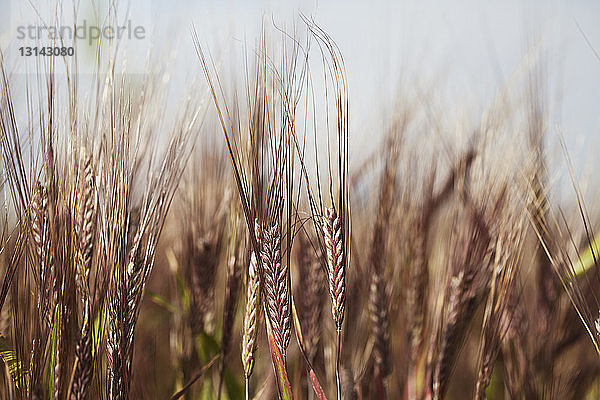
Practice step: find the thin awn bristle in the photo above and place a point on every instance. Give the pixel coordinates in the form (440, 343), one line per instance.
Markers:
(332, 231)
(276, 287)
(251, 316)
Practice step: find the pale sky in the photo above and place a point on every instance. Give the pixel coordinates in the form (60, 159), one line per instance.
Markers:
(472, 48)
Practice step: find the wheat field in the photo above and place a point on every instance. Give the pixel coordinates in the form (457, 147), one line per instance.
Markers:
(242, 247)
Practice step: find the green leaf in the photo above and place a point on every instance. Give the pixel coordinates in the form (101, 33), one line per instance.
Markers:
(234, 388)
(206, 392)
(99, 324)
(206, 346)
(586, 259)
(15, 367)
(162, 302)
(183, 291)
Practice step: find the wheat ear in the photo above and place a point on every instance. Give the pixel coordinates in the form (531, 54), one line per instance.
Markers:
(40, 229)
(276, 287)
(378, 310)
(83, 367)
(251, 317)
(332, 231)
(84, 233)
(85, 227)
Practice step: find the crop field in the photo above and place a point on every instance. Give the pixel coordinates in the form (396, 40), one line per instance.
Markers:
(234, 238)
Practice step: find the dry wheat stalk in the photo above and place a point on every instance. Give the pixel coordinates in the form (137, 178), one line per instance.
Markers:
(332, 231)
